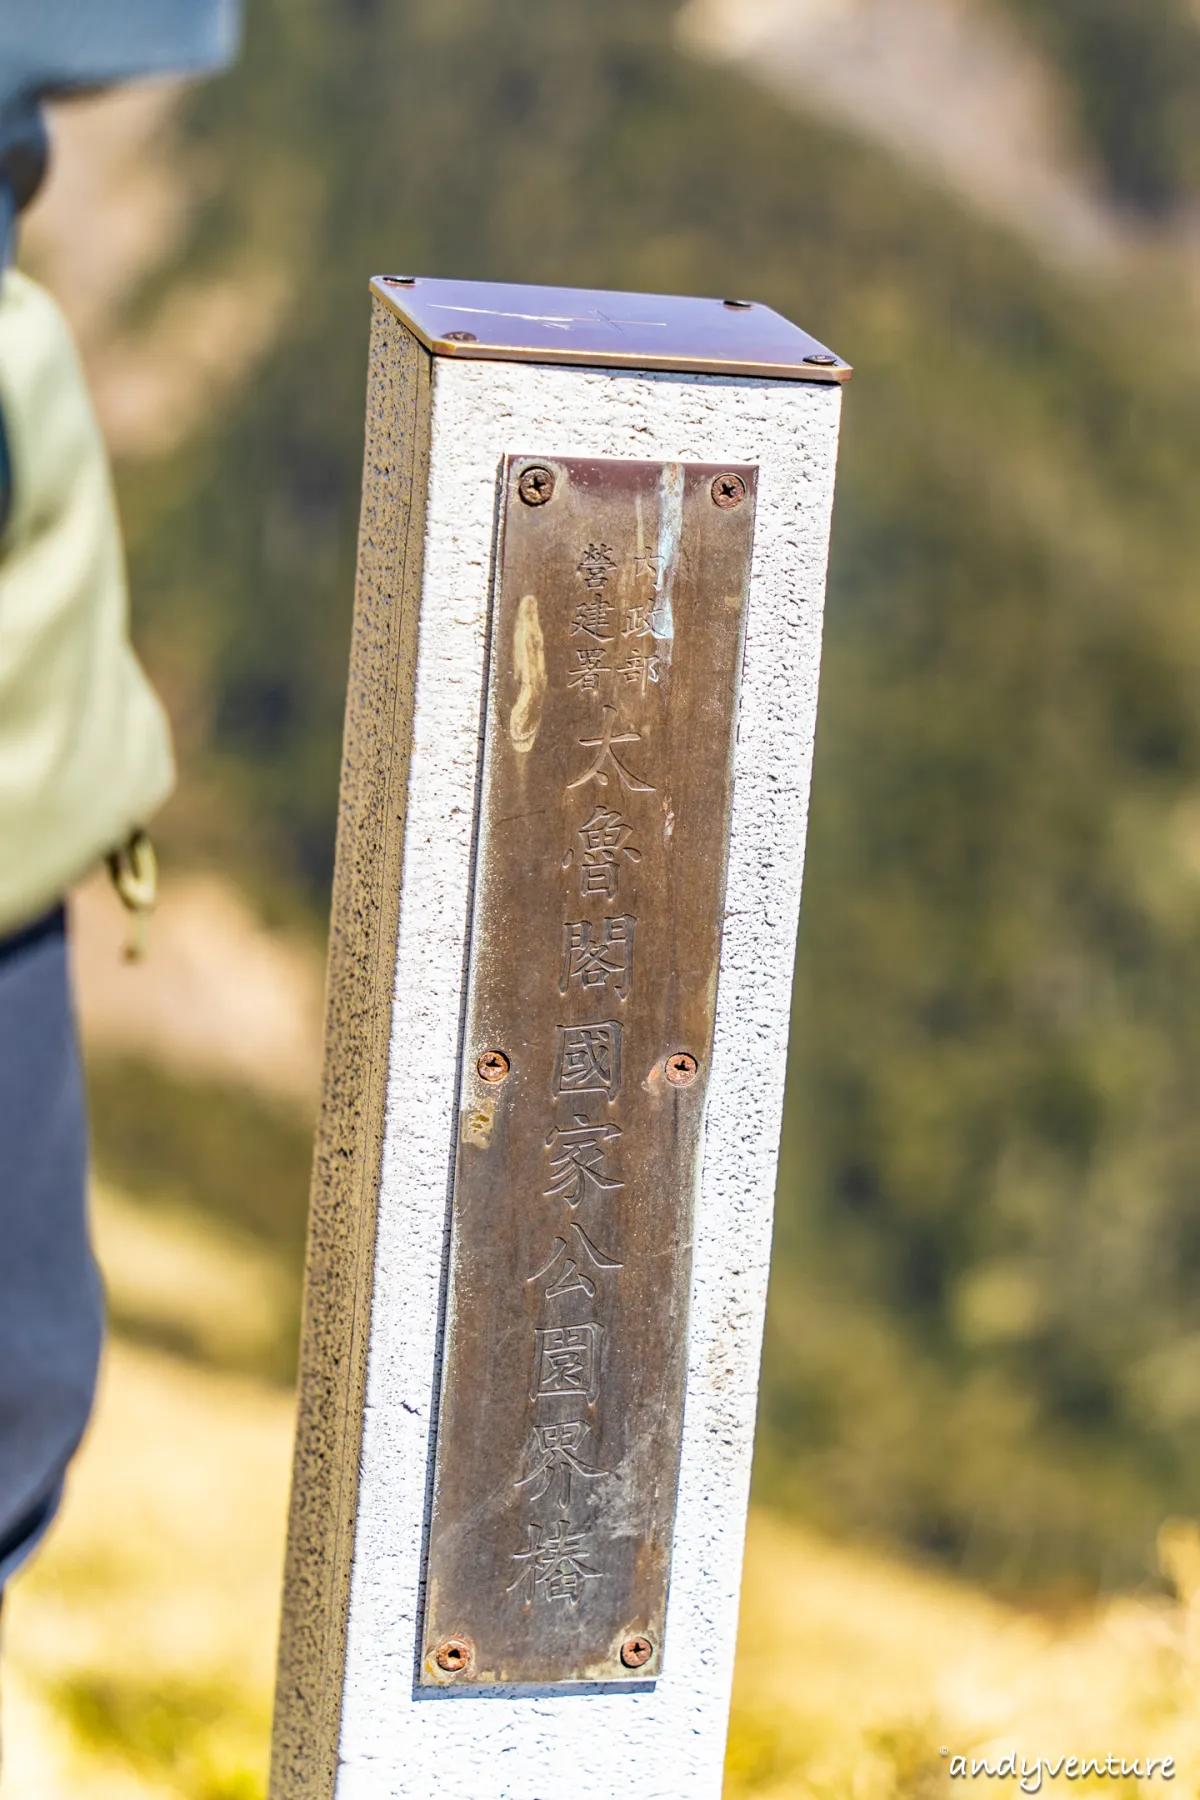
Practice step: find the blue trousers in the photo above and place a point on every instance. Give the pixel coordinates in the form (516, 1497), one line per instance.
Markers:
(51, 1304)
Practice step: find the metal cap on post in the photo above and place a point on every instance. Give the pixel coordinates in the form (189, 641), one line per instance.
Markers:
(560, 985)
(502, 321)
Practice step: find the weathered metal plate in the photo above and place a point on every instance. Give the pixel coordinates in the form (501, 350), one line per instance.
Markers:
(510, 322)
(615, 661)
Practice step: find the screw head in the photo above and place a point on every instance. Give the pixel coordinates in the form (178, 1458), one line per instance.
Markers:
(728, 490)
(492, 1066)
(823, 358)
(636, 1651)
(460, 337)
(535, 485)
(682, 1069)
(399, 280)
(453, 1656)
(738, 305)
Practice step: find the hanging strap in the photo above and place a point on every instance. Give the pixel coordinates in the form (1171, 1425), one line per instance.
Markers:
(134, 870)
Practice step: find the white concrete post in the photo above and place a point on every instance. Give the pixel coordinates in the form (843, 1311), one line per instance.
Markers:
(543, 373)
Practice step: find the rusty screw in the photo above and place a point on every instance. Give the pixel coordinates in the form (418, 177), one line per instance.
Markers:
(492, 1066)
(453, 1656)
(636, 1651)
(400, 280)
(535, 486)
(728, 490)
(682, 1069)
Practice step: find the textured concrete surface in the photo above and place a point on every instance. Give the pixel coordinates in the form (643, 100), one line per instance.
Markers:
(358, 1026)
(590, 1745)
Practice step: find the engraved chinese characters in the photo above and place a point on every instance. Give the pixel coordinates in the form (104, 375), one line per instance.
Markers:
(597, 960)
(616, 645)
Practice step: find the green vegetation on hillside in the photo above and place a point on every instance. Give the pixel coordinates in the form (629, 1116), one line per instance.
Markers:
(985, 1331)
(1132, 68)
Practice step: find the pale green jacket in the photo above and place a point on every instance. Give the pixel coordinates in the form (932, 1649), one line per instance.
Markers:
(85, 751)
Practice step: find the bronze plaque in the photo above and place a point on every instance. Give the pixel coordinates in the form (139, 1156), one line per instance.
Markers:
(612, 707)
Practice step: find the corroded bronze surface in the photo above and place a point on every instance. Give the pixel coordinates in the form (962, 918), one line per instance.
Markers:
(616, 652)
(510, 322)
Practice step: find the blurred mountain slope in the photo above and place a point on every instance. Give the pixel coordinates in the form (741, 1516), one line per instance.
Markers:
(958, 88)
(1132, 68)
(1073, 122)
(985, 1327)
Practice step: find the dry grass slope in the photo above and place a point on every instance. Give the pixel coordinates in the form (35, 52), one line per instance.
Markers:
(140, 1644)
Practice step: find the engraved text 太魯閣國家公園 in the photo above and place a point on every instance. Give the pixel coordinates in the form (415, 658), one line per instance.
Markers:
(595, 938)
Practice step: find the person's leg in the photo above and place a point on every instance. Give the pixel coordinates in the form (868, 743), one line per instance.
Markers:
(51, 1306)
